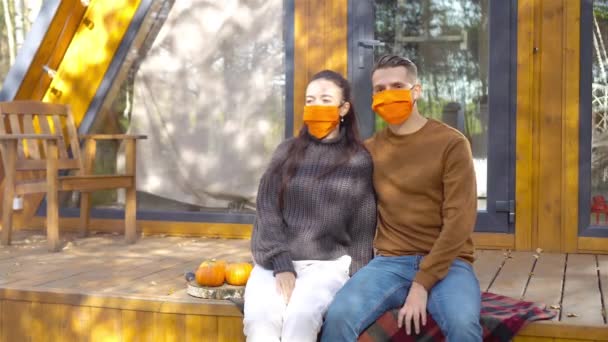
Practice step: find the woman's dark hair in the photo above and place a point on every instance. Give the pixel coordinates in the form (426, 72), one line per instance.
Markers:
(288, 167)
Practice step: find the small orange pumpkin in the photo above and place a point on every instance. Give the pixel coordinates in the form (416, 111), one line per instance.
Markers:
(238, 273)
(211, 273)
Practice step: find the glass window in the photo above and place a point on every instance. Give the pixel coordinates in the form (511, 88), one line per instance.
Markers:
(15, 22)
(207, 86)
(448, 41)
(599, 137)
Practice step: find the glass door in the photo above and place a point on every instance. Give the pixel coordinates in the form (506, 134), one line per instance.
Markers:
(465, 53)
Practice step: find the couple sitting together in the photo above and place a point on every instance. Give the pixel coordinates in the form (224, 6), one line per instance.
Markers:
(347, 230)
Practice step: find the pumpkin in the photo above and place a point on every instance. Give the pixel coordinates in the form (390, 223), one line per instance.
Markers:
(211, 273)
(238, 273)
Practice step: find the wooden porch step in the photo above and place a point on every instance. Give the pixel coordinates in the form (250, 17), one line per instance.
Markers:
(100, 283)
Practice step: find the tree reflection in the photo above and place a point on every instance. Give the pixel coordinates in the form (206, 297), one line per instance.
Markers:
(448, 41)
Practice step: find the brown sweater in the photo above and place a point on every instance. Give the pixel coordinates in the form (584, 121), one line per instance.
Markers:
(427, 197)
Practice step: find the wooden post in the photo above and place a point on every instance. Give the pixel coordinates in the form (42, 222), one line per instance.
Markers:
(131, 199)
(52, 205)
(9, 190)
(85, 196)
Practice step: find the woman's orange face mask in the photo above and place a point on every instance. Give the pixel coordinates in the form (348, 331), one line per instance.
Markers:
(321, 120)
(324, 105)
(394, 105)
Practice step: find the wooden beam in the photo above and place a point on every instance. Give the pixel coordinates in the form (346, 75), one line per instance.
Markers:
(570, 133)
(525, 222)
(206, 229)
(549, 139)
(95, 182)
(494, 241)
(592, 245)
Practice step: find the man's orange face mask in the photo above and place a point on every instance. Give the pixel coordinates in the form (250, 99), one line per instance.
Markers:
(394, 105)
(321, 120)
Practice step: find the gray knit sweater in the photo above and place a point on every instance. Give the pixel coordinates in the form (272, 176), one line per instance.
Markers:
(322, 218)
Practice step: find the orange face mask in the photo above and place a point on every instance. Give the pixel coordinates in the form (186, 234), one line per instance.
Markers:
(394, 106)
(321, 120)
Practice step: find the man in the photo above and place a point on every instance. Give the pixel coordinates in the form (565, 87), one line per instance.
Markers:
(427, 205)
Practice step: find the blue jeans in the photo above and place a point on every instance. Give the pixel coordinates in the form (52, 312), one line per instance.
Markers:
(382, 285)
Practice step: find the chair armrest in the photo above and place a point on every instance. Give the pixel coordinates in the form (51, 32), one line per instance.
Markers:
(113, 136)
(5, 137)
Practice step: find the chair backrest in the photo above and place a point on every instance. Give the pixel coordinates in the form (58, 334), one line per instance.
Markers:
(35, 117)
(598, 200)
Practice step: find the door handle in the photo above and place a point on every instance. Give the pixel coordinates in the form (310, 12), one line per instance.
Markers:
(371, 43)
(365, 44)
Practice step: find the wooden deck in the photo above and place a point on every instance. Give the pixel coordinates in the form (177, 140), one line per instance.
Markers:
(99, 288)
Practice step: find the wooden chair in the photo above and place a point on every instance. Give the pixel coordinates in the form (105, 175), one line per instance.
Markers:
(36, 137)
(599, 206)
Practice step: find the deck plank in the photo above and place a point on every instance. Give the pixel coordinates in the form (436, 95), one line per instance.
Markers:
(127, 276)
(42, 273)
(581, 291)
(99, 269)
(512, 279)
(546, 281)
(142, 279)
(63, 276)
(163, 283)
(487, 264)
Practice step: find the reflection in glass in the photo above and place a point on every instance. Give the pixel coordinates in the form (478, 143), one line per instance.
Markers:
(599, 137)
(207, 87)
(448, 41)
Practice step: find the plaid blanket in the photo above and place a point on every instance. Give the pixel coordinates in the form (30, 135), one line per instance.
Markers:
(501, 318)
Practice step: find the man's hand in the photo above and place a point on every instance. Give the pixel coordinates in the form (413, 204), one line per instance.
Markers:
(414, 309)
(286, 281)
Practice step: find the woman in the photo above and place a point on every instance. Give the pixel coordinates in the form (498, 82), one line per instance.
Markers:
(316, 218)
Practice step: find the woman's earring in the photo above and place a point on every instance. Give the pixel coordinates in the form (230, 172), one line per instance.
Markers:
(341, 119)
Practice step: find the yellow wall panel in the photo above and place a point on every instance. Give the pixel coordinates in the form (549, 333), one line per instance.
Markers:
(524, 167)
(138, 326)
(51, 50)
(570, 147)
(547, 128)
(230, 329)
(16, 320)
(90, 53)
(106, 325)
(549, 138)
(170, 327)
(321, 36)
(201, 328)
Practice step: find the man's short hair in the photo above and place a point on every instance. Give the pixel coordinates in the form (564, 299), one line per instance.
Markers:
(392, 61)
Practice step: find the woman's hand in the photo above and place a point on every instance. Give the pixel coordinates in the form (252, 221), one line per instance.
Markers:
(286, 281)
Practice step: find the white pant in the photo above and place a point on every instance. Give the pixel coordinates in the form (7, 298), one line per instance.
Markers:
(269, 319)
